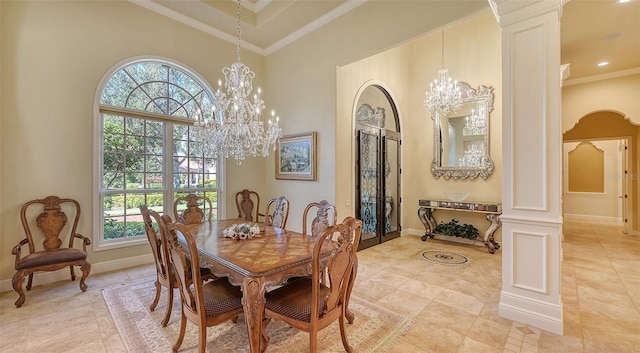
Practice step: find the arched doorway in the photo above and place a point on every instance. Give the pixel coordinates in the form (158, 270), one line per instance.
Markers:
(377, 187)
(617, 137)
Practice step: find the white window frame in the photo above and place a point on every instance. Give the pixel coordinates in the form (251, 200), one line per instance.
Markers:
(99, 243)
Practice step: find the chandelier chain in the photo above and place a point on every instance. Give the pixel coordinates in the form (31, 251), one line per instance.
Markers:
(442, 45)
(233, 127)
(239, 31)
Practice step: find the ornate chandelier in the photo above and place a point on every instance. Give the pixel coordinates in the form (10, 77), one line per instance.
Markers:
(444, 94)
(473, 157)
(234, 128)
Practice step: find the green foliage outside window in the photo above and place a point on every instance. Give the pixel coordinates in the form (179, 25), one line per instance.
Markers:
(116, 230)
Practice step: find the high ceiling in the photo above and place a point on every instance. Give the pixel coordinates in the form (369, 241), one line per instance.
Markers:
(591, 30)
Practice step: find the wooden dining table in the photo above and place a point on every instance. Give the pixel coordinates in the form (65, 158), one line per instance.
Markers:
(265, 261)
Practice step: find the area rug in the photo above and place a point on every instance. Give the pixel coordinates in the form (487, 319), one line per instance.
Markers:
(375, 329)
(444, 257)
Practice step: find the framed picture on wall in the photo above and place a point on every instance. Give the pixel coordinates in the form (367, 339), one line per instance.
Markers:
(296, 156)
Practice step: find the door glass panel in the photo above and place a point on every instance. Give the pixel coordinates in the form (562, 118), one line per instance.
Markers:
(391, 186)
(368, 184)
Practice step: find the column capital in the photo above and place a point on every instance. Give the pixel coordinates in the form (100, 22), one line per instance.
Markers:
(513, 11)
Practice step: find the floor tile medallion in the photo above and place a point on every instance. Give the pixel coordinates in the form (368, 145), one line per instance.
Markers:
(445, 257)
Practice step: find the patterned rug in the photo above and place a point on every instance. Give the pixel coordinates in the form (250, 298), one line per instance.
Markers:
(444, 257)
(374, 330)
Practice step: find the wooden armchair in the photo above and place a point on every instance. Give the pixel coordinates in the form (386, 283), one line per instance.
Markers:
(50, 255)
(247, 207)
(308, 304)
(193, 214)
(277, 218)
(206, 304)
(326, 215)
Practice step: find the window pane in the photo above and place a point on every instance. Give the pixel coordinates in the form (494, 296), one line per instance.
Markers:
(134, 162)
(134, 226)
(154, 145)
(180, 148)
(113, 123)
(183, 180)
(113, 166)
(113, 208)
(180, 132)
(154, 163)
(134, 181)
(153, 181)
(155, 129)
(134, 126)
(155, 201)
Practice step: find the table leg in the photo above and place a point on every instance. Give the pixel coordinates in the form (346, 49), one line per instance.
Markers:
(253, 300)
(491, 244)
(425, 214)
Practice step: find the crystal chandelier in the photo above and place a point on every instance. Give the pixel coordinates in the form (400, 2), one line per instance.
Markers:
(444, 94)
(473, 157)
(475, 124)
(234, 128)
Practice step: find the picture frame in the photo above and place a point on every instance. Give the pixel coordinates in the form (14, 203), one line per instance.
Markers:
(296, 156)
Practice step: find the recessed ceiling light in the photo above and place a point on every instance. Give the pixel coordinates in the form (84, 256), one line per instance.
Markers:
(603, 63)
(623, 1)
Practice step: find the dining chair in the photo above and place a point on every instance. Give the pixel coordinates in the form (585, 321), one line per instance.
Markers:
(207, 304)
(309, 305)
(277, 218)
(193, 214)
(164, 277)
(326, 215)
(247, 207)
(164, 274)
(47, 218)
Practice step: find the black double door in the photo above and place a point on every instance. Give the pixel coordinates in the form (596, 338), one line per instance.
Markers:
(378, 185)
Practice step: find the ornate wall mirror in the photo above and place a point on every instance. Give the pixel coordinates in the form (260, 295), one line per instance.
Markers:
(461, 137)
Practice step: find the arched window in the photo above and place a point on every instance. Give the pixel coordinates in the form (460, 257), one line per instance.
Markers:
(146, 153)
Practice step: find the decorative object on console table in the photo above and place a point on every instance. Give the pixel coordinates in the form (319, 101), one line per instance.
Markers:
(296, 156)
(453, 228)
(427, 208)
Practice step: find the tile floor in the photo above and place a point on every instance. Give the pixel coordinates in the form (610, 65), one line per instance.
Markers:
(455, 307)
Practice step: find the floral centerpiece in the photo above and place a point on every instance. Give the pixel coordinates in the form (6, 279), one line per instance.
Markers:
(241, 231)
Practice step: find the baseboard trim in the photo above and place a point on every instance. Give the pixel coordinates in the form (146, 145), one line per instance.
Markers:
(584, 217)
(63, 274)
(545, 316)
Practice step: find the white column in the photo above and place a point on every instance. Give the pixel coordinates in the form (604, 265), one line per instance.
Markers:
(532, 156)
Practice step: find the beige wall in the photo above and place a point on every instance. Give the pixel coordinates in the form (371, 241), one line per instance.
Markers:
(302, 83)
(616, 94)
(472, 54)
(54, 53)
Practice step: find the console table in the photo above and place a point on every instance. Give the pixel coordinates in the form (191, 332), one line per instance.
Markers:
(493, 211)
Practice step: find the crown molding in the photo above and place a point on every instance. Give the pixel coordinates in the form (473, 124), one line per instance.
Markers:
(601, 77)
(310, 27)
